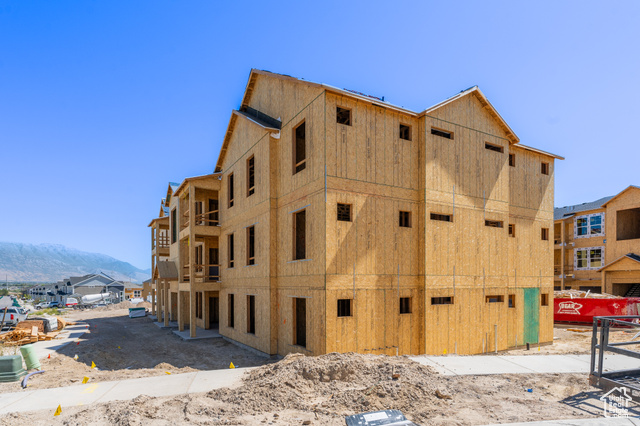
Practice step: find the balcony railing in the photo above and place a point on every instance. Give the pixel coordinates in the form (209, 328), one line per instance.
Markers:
(568, 270)
(203, 273)
(209, 218)
(163, 241)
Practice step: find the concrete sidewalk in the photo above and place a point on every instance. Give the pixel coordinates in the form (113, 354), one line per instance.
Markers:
(453, 365)
(167, 385)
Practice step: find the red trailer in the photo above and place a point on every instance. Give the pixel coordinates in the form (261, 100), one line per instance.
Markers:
(583, 309)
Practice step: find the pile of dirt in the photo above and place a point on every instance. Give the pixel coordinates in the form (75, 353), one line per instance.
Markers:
(333, 384)
(322, 390)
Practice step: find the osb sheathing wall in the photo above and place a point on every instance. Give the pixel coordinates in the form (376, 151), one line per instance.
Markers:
(469, 261)
(276, 278)
(615, 248)
(371, 259)
(582, 277)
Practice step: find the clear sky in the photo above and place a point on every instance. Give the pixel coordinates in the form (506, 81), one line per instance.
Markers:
(103, 102)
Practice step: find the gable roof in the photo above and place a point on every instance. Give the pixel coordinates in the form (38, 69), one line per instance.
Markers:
(130, 284)
(170, 190)
(267, 126)
(345, 92)
(628, 188)
(568, 211)
(631, 256)
(186, 181)
(164, 219)
(95, 278)
(475, 90)
(253, 75)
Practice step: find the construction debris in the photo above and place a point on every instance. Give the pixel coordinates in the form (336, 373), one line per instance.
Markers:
(23, 336)
(63, 323)
(27, 325)
(577, 294)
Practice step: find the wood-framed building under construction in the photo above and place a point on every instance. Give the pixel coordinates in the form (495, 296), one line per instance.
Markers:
(345, 223)
(597, 245)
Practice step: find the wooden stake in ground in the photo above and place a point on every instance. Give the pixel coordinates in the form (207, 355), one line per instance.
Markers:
(3, 316)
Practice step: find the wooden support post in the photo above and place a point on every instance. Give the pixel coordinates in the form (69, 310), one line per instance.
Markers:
(165, 302)
(192, 260)
(153, 299)
(180, 311)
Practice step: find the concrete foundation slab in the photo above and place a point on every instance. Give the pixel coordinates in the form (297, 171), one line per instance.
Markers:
(200, 334)
(172, 324)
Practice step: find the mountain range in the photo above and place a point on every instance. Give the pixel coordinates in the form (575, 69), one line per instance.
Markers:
(53, 262)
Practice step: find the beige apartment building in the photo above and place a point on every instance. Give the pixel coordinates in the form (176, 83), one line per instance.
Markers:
(597, 245)
(336, 221)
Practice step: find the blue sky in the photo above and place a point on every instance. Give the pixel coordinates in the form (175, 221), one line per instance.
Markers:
(103, 102)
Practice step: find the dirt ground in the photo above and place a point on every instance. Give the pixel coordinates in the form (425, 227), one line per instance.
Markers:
(320, 389)
(127, 348)
(323, 389)
(574, 339)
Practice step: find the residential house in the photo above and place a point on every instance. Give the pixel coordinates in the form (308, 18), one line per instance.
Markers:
(597, 245)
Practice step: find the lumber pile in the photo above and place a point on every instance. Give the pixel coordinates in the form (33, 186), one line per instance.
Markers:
(26, 325)
(63, 323)
(22, 336)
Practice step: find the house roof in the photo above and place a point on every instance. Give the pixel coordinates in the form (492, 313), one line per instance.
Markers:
(167, 270)
(631, 256)
(96, 278)
(351, 93)
(188, 180)
(158, 219)
(268, 125)
(538, 151)
(170, 190)
(131, 285)
(568, 211)
(628, 188)
(475, 90)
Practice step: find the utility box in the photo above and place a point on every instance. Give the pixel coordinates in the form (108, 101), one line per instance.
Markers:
(11, 368)
(137, 312)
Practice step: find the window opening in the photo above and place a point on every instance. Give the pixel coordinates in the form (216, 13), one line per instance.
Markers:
(344, 212)
(343, 116)
(405, 219)
(344, 307)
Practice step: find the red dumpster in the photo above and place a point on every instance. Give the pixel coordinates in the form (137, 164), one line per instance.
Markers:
(583, 309)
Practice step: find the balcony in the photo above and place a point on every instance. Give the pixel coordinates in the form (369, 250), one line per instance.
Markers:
(568, 271)
(204, 273)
